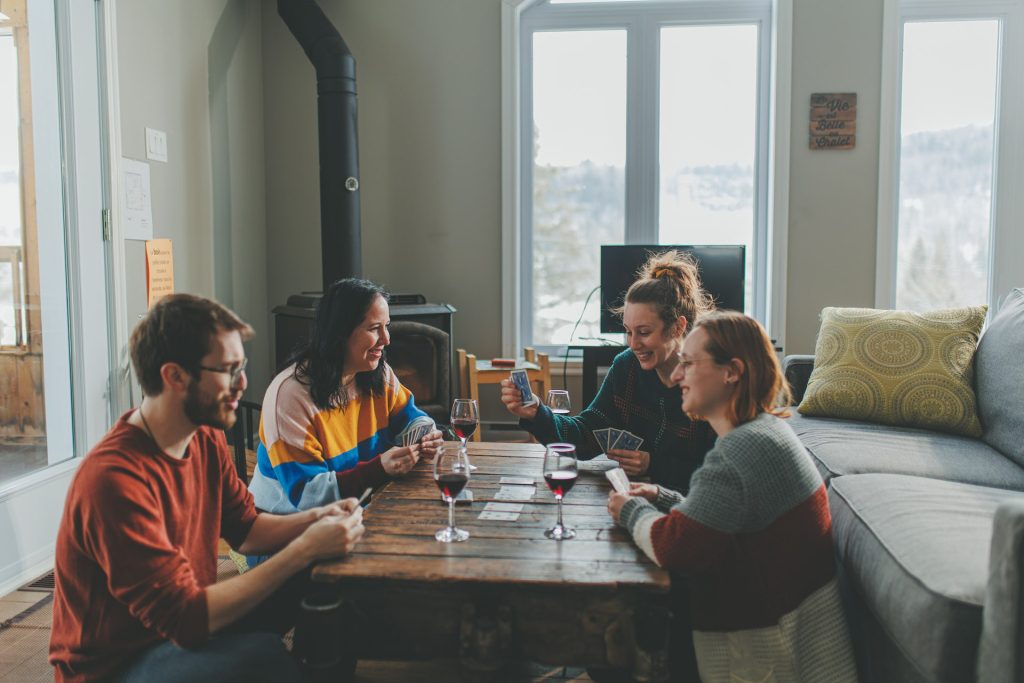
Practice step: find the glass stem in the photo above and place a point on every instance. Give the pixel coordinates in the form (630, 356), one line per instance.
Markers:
(451, 513)
(559, 525)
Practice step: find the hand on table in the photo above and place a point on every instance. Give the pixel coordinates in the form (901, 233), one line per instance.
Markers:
(513, 400)
(633, 463)
(431, 444)
(400, 459)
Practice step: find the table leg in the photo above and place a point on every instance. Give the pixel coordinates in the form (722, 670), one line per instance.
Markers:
(485, 638)
(318, 633)
(651, 624)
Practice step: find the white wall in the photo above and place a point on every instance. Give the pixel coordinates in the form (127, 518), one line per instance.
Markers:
(429, 97)
(429, 137)
(193, 69)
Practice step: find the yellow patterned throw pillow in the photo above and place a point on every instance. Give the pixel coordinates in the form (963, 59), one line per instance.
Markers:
(897, 368)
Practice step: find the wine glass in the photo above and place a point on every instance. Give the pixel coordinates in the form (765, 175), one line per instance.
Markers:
(558, 401)
(560, 474)
(451, 474)
(465, 418)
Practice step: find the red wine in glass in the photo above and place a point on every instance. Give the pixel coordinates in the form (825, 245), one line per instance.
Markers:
(464, 428)
(560, 482)
(560, 474)
(451, 484)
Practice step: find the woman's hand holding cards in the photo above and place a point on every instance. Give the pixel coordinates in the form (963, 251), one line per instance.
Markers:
(512, 397)
(431, 444)
(634, 463)
(648, 492)
(400, 459)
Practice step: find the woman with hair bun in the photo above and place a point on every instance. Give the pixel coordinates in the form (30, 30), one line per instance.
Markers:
(638, 394)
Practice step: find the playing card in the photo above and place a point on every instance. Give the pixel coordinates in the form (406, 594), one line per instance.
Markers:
(520, 481)
(415, 430)
(628, 441)
(601, 436)
(618, 478)
(504, 507)
(613, 438)
(522, 382)
(498, 516)
(515, 493)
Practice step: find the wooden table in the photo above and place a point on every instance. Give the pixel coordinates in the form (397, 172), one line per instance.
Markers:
(506, 593)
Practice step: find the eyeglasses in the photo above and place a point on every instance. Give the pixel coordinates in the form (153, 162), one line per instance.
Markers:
(235, 372)
(686, 364)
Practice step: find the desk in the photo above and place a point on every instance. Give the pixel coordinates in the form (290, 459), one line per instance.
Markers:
(507, 592)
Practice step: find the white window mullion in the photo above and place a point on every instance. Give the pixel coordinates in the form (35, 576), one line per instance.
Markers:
(642, 174)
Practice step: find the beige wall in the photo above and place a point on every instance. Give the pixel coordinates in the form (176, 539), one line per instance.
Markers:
(429, 136)
(194, 70)
(429, 108)
(429, 112)
(837, 47)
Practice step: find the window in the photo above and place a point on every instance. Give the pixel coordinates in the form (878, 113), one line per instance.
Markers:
(639, 123)
(51, 400)
(946, 187)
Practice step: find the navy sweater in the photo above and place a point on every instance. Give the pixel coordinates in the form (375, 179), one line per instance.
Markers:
(634, 399)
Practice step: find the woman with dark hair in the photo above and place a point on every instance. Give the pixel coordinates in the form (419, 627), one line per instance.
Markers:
(754, 534)
(637, 394)
(332, 420)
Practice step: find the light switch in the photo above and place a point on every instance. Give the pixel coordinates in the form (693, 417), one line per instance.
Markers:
(156, 145)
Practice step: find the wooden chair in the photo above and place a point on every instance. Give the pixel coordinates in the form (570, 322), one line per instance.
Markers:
(473, 373)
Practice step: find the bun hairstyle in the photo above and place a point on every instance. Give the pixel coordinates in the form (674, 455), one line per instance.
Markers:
(669, 281)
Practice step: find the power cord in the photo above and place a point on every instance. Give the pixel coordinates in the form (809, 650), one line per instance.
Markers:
(565, 359)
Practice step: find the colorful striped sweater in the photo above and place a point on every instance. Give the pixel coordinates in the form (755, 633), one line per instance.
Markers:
(309, 457)
(634, 399)
(754, 536)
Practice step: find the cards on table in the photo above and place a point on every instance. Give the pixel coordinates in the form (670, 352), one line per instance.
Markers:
(610, 438)
(618, 478)
(524, 493)
(522, 382)
(415, 430)
(501, 512)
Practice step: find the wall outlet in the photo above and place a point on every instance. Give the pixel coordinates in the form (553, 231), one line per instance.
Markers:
(156, 145)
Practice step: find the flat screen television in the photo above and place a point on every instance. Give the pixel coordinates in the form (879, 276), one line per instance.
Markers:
(722, 271)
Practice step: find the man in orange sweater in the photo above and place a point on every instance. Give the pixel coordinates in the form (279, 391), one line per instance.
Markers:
(136, 598)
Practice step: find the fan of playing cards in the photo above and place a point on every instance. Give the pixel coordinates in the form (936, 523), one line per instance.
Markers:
(415, 430)
(611, 438)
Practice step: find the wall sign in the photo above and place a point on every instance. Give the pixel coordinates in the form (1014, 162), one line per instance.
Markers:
(833, 120)
(159, 270)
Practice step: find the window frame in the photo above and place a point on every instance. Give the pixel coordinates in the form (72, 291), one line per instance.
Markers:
(643, 22)
(1004, 273)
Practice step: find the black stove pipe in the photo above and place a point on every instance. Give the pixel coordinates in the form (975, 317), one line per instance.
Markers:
(341, 250)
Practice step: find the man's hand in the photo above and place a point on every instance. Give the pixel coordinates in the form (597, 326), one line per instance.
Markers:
(334, 534)
(513, 400)
(431, 444)
(634, 463)
(339, 507)
(400, 459)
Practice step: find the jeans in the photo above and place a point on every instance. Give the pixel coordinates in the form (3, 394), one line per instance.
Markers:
(250, 650)
(242, 657)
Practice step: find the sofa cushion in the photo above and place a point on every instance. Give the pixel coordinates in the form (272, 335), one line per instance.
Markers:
(916, 551)
(1000, 378)
(897, 368)
(842, 447)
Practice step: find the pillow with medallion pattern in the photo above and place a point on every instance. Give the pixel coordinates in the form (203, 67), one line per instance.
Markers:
(897, 368)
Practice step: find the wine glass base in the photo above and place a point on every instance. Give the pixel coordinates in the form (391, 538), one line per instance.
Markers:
(562, 533)
(451, 535)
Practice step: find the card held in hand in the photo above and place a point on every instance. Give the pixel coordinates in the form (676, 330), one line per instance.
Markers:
(522, 382)
(618, 478)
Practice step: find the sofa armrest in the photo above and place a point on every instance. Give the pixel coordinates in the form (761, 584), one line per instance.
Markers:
(797, 370)
(1001, 651)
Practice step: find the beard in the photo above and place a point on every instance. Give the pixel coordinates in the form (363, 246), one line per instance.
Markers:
(205, 411)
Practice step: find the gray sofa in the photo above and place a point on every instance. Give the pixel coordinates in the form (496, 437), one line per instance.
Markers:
(929, 527)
